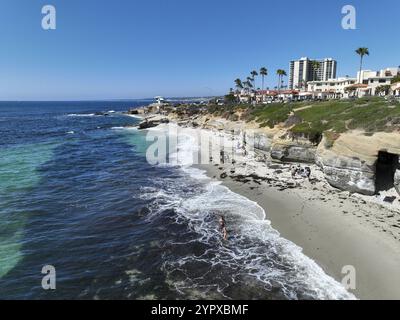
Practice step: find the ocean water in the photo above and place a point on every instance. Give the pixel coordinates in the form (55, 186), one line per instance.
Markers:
(77, 193)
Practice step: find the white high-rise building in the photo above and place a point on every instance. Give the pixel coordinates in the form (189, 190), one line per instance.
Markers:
(303, 71)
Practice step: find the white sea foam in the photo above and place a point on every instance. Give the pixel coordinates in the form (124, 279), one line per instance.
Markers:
(134, 116)
(125, 128)
(81, 115)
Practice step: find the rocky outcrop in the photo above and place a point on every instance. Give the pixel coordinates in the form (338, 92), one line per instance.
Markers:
(280, 145)
(350, 164)
(293, 152)
(261, 141)
(349, 174)
(151, 123)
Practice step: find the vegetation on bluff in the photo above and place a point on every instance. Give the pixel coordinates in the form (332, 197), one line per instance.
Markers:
(312, 119)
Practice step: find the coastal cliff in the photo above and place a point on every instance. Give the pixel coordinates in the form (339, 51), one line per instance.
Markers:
(351, 163)
(356, 144)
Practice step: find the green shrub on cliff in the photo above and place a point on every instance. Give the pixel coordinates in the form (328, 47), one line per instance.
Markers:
(371, 114)
(272, 114)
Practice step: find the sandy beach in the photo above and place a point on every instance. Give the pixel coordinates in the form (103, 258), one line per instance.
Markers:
(334, 228)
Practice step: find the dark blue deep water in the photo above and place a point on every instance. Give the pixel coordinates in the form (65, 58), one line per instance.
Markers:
(77, 193)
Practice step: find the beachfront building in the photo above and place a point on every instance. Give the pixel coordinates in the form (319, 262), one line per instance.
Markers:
(157, 106)
(375, 79)
(304, 70)
(268, 96)
(244, 96)
(331, 88)
(365, 84)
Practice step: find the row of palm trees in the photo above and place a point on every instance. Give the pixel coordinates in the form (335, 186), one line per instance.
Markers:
(250, 83)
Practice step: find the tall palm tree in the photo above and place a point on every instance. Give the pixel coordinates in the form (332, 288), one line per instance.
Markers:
(254, 74)
(362, 52)
(248, 86)
(281, 73)
(250, 81)
(263, 74)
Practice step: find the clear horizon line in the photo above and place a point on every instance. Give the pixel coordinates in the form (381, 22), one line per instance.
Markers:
(115, 99)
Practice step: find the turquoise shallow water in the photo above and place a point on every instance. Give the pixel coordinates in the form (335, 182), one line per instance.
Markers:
(19, 168)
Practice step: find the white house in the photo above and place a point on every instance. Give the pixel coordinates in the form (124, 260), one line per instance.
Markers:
(375, 79)
(330, 89)
(365, 84)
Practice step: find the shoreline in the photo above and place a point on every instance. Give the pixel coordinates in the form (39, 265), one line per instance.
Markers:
(330, 231)
(334, 228)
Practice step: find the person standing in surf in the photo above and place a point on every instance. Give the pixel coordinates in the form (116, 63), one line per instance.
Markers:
(222, 226)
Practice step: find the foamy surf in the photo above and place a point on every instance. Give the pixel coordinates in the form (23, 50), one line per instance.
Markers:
(81, 115)
(125, 128)
(134, 116)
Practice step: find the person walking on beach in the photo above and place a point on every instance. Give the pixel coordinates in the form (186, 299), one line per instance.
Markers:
(222, 156)
(308, 172)
(293, 172)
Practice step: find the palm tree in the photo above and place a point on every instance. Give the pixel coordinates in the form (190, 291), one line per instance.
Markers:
(254, 74)
(263, 74)
(249, 86)
(238, 84)
(281, 73)
(362, 52)
(315, 66)
(250, 81)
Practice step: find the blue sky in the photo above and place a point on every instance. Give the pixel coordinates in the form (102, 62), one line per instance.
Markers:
(125, 49)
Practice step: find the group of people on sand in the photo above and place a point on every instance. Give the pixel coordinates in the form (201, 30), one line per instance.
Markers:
(298, 171)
